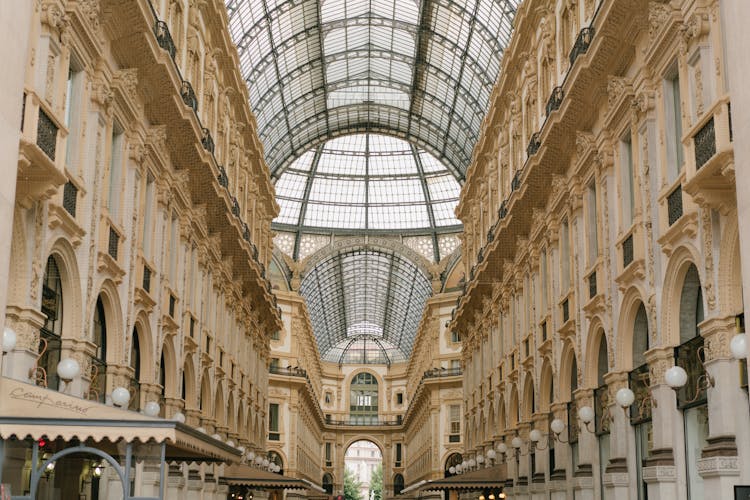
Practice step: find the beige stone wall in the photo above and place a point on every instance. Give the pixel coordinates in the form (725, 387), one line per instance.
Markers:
(151, 198)
(590, 194)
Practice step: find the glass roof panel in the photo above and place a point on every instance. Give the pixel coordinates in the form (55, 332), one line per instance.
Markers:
(422, 70)
(365, 296)
(367, 182)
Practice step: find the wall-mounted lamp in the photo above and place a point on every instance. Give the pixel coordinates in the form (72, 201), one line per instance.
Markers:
(586, 416)
(676, 377)
(557, 426)
(738, 346)
(9, 340)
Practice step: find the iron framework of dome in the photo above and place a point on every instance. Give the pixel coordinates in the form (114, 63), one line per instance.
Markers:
(365, 306)
(422, 70)
(367, 183)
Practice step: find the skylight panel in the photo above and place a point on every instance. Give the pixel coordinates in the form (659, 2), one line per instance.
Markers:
(288, 211)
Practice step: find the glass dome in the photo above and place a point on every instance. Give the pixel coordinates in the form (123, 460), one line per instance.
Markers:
(367, 182)
(365, 306)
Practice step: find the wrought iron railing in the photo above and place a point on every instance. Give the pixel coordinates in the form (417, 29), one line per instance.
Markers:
(674, 205)
(164, 38)
(46, 135)
(565, 310)
(290, 371)
(442, 372)
(235, 207)
(601, 410)
(534, 144)
(582, 44)
(690, 356)
(627, 251)
(172, 304)
(223, 179)
(188, 95)
(114, 243)
(555, 100)
(572, 422)
(592, 285)
(70, 198)
(639, 382)
(364, 422)
(207, 141)
(503, 210)
(515, 183)
(705, 143)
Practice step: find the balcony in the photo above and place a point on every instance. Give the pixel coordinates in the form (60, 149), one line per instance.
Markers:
(42, 152)
(442, 373)
(289, 371)
(709, 167)
(674, 205)
(364, 422)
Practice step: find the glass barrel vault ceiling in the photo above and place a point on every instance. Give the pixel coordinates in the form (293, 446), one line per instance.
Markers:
(365, 306)
(421, 70)
(367, 182)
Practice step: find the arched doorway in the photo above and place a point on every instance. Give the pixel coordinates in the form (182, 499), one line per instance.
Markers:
(328, 483)
(363, 471)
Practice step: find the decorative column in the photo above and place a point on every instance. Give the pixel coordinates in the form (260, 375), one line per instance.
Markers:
(659, 471)
(557, 481)
(719, 464)
(194, 485)
(583, 480)
(174, 489)
(616, 480)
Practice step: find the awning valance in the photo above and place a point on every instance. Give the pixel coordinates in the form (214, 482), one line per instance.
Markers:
(30, 411)
(244, 475)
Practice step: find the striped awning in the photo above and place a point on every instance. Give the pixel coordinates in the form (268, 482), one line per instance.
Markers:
(487, 478)
(244, 475)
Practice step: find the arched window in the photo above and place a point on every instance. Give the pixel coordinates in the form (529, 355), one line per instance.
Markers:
(135, 364)
(49, 338)
(691, 305)
(692, 398)
(398, 484)
(98, 385)
(275, 458)
(640, 337)
(163, 383)
(328, 483)
(363, 399)
(453, 460)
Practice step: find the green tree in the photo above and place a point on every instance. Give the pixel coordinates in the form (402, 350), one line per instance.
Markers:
(376, 483)
(351, 486)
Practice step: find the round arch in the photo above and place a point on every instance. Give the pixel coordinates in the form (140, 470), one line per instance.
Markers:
(219, 409)
(371, 439)
(546, 386)
(189, 382)
(568, 371)
(348, 384)
(70, 279)
(145, 345)
(631, 303)
(513, 408)
(204, 402)
(170, 368)
(596, 336)
(110, 298)
(527, 408)
(679, 263)
(730, 270)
